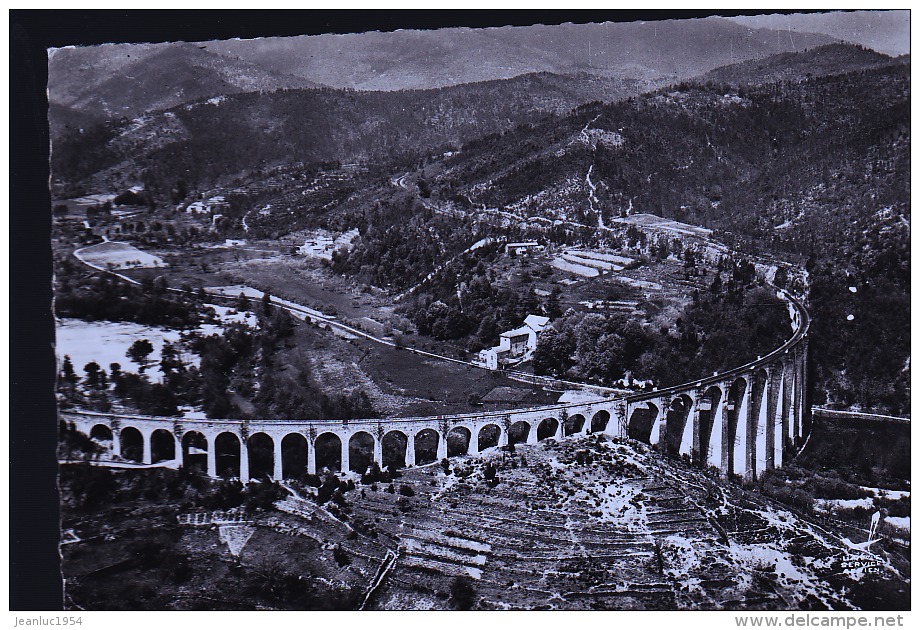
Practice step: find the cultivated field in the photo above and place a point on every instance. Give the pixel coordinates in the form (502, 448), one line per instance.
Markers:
(673, 228)
(399, 382)
(107, 342)
(115, 255)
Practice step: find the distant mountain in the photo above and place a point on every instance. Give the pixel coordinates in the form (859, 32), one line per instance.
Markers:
(672, 49)
(114, 81)
(221, 137)
(121, 80)
(794, 66)
(884, 30)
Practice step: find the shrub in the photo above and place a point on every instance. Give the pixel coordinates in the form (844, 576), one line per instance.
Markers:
(262, 496)
(857, 513)
(835, 488)
(227, 495)
(898, 508)
(339, 498)
(462, 593)
(330, 484)
(340, 555)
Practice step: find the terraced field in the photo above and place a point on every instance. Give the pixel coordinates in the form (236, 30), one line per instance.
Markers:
(594, 524)
(585, 523)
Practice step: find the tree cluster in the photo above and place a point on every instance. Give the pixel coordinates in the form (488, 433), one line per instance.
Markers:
(237, 377)
(713, 333)
(401, 241)
(467, 300)
(106, 297)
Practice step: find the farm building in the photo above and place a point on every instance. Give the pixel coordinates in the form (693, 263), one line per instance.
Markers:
(515, 345)
(523, 249)
(515, 340)
(206, 207)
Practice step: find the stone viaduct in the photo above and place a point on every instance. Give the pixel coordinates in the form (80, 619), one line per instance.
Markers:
(743, 422)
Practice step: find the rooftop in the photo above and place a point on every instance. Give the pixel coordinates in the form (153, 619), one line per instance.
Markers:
(537, 322)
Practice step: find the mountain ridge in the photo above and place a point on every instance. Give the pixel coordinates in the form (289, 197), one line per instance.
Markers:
(646, 50)
(821, 61)
(319, 124)
(106, 87)
(109, 81)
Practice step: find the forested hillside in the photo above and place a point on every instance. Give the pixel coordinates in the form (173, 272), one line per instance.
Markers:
(814, 171)
(752, 161)
(103, 83)
(796, 66)
(113, 80)
(215, 139)
(409, 59)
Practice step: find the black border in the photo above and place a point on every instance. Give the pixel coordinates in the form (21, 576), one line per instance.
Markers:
(35, 580)
(85, 27)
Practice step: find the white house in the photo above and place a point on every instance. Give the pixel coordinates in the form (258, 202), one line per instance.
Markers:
(516, 345)
(205, 207)
(522, 249)
(516, 340)
(536, 323)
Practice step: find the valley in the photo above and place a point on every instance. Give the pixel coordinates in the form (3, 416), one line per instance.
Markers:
(547, 335)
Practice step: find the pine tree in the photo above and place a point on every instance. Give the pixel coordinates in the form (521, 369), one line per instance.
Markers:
(140, 352)
(553, 308)
(92, 374)
(170, 361)
(116, 375)
(68, 372)
(242, 303)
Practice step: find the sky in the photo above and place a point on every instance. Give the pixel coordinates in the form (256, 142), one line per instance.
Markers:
(885, 31)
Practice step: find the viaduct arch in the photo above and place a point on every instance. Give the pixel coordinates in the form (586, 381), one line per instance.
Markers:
(742, 422)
